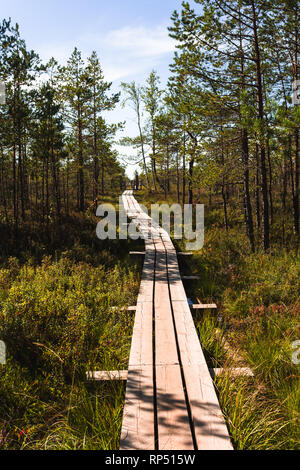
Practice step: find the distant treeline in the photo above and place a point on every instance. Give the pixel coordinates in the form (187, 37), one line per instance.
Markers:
(229, 119)
(56, 150)
(227, 123)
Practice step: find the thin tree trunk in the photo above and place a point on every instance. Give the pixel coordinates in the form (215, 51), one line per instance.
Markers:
(297, 175)
(270, 182)
(260, 102)
(191, 174)
(247, 198)
(183, 169)
(257, 186)
(296, 136)
(102, 176)
(143, 147)
(245, 159)
(16, 218)
(177, 177)
(80, 158)
(225, 204)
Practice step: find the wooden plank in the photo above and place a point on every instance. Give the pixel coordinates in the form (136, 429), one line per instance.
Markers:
(209, 424)
(124, 309)
(173, 322)
(191, 278)
(165, 341)
(204, 306)
(206, 415)
(137, 253)
(147, 281)
(131, 309)
(175, 282)
(210, 428)
(188, 340)
(107, 375)
(232, 371)
(138, 416)
(174, 430)
(141, 352)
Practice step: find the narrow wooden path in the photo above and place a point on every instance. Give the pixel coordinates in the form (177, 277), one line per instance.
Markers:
(170, 402)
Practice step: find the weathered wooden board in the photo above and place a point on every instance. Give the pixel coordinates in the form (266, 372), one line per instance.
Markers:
(204, 306)
(232, 371)
(179, 382)
(138, 416)
(122, 375)
(209, 424)
(174, 431)
(191, 278)
(104, 375)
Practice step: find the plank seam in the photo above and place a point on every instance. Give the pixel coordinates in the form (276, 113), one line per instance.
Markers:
(180, 361)
(154, 361)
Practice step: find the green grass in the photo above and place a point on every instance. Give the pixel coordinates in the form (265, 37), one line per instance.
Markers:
(57, 323)
(258, 298)
(254, 420)
(211, 342)
(262, 412)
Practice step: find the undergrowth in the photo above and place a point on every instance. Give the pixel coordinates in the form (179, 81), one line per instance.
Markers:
(57, 323)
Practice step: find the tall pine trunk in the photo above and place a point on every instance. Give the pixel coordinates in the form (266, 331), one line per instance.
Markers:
(246, 184)
(296, 136)
(80, 161)
(260, 103)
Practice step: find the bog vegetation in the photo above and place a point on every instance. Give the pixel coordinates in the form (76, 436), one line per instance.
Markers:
(224, 131)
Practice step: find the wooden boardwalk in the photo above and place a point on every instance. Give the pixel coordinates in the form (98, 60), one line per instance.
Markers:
(170, 402)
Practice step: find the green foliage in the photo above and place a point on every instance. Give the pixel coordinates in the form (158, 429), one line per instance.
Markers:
(212, 343)
(266, 280)
(263, 413)
(258, 297)
(65, 307)
(255, 421)
(57, 323)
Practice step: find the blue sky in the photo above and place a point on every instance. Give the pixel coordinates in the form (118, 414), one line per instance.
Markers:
(130, 37)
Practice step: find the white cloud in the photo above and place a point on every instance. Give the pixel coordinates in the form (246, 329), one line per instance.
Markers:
(123, 52)
(118, 70)
(60, 52)
(130, 50)
(141, 41)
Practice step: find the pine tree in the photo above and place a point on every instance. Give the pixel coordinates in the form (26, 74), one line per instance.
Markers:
(134, 97)
(77, 93)
(99, 101)
(151, 95)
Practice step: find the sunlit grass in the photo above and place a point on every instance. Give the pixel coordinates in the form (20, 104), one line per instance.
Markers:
(57, 321)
